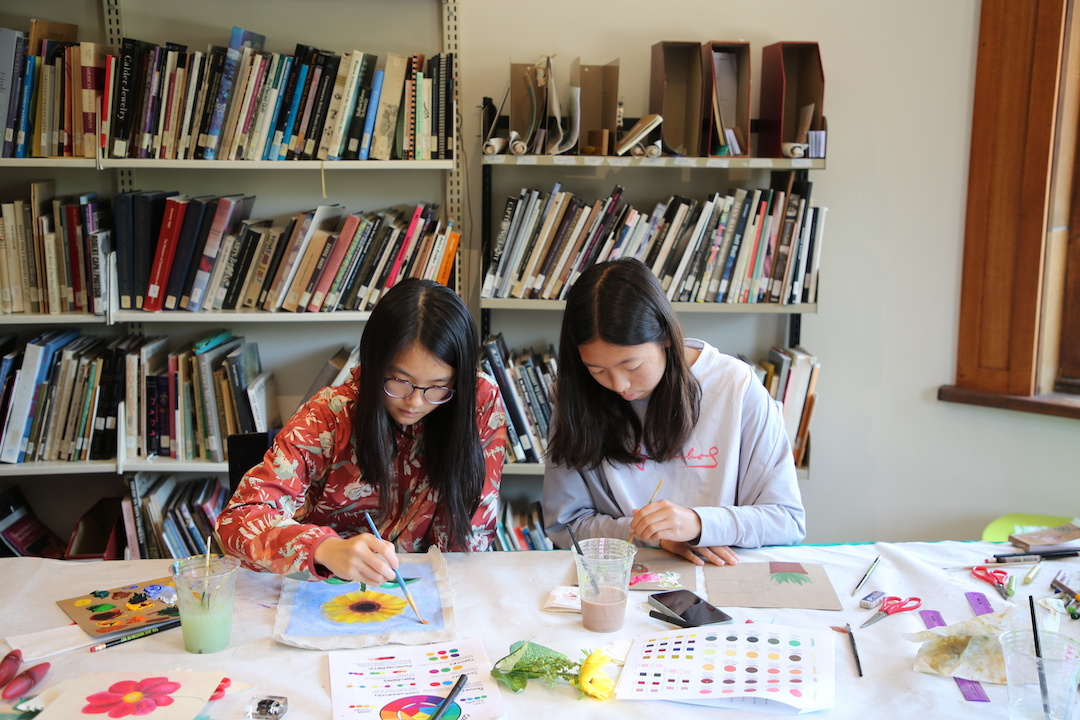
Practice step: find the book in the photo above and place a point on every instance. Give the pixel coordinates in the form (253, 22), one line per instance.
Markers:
(243, 365)
(638, 132)
(324, 218)
(263, 396)
(231, 211)
(389, 107)
(9, 71)
(147, 214)
(363, 67)
(1060, 537)
(12, 109)
(369, 121)
(193, 232)
(36, 364)
(168, 241)
(206, 362)
(22, 534)
(238, 40)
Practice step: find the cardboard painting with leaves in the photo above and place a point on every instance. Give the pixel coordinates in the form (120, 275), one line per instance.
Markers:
(123, 610)
(771, 585)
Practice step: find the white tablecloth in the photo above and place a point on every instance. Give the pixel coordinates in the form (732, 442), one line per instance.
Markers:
(498, 597)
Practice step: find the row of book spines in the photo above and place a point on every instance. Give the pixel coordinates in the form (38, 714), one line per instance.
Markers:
(518, 531)
(77, 409)
(53, 410)
(181, 526)
(315, 261)
(184, 403)
(748, 246)
(153, 101)
(69, 272)
(527, 383)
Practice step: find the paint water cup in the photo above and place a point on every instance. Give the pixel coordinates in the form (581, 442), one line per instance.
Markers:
(603, 569)
(1041, 688)
(204, 597)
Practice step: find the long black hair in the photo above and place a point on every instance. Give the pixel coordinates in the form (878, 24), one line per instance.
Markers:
(432, 315)
(620, 302)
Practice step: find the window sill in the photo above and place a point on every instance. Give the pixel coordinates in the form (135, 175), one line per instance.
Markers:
(1059, 404)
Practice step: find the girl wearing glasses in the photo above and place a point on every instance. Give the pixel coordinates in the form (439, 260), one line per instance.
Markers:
(636, 404)
(415, 438)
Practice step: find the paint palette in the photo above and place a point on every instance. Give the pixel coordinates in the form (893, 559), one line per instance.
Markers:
(123, 610)
(764, 666)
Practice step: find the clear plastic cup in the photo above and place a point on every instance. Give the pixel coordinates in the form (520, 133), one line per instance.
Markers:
(603, 569)
(204, 597)
(1041, 688)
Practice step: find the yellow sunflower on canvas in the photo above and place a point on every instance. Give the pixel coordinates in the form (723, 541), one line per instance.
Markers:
(363, 606)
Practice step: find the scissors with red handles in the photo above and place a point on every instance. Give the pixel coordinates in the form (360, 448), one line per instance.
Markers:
(892, 605)
(996, 578)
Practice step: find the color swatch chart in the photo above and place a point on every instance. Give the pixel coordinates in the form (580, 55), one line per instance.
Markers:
(396, 682)
(733, 666)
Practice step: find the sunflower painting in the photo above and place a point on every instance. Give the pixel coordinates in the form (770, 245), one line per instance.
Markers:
(330, 615)
(363, 606)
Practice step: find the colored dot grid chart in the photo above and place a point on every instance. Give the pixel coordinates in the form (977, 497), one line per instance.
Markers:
(767, 667)
(397, 682)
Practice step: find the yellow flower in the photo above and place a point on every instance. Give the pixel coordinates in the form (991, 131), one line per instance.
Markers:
(592, 680)
(363, 606)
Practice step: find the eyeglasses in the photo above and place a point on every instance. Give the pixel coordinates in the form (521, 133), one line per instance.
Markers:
(434, 394)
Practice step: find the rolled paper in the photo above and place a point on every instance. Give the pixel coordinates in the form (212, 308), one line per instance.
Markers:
(517, 145)
(794, 150)
(653, 150)
(496, 146)
(638, 150)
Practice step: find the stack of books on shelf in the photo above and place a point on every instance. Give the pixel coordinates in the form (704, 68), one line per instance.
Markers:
(211, 255)
(171, 516)
(183, 402)
(61, 97)
(522, 530)
(54, 251)
(60, 391)
(69, 397)
(748, 246)
(790, 375)
(527, 381)
(205, 252)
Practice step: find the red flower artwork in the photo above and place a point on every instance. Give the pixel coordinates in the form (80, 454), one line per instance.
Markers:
(132, 697)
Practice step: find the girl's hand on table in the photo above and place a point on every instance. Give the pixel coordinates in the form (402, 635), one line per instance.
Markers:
(717, 555)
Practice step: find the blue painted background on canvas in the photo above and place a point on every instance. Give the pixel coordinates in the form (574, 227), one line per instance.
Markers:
(307, 618)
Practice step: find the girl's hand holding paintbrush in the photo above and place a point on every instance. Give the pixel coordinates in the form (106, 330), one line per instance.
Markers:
(364, 558)
(673, 527)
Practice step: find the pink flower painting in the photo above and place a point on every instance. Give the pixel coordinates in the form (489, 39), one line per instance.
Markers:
(132, 697)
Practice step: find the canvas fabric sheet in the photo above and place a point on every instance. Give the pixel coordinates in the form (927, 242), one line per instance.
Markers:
(335, 615)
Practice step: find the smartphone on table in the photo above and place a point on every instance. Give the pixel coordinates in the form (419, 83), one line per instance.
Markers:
(691, 609)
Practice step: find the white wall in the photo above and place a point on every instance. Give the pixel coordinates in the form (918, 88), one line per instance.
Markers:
(889, 461)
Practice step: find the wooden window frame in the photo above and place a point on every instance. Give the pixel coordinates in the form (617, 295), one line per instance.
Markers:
(1014, 306)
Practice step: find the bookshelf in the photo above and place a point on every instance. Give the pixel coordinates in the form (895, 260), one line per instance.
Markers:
(749, 328)
(294, 346)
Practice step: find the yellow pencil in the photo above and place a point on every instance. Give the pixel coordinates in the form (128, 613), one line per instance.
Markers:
(655, 491)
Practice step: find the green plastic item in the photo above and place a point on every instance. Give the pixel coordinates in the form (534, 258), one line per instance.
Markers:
(1000, 529)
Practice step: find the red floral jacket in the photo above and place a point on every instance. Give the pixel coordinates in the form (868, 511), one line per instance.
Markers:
(309, 488)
